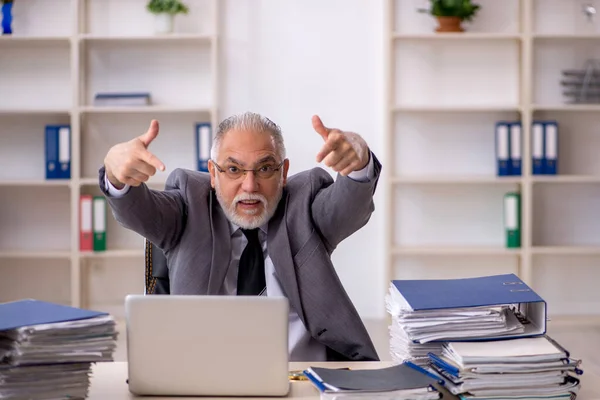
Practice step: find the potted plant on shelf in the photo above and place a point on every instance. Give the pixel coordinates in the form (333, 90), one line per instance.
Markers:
(451, 13)
(164, 12)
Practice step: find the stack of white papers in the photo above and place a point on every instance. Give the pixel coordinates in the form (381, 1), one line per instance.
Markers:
(415, 333)
(86, 340)
(47, 350)
(513, 368)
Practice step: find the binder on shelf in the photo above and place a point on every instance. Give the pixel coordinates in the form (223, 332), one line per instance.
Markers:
(508, 290)
(537, 148)
(550, 147)
(99, 224)
(502, 148)
(86, 235)
(512, 219)
(515, 148)
(203, 145)
(58, 151)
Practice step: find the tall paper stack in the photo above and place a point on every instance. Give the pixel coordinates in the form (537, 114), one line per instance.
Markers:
(47, 349)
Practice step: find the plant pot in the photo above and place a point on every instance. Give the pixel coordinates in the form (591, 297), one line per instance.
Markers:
(449, 24)
(163, 23)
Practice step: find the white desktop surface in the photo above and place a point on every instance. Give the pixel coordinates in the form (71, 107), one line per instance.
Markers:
(109, 382)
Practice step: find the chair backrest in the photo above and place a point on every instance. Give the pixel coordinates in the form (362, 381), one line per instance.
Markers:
(156, 270)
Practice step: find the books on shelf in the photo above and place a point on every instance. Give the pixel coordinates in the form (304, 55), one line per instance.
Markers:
(57, 146)
(47, 349)
(512, 219)
(544, 147)
(92, 223)
(203, 145)
(122, 99)
(508, 148)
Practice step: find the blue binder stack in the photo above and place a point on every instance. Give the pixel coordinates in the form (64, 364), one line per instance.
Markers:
(439, 324)
(58, 151)
(544, 147)
(47, 349)
(509, 140)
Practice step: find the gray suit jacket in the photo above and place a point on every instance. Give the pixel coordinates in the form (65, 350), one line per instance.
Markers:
(314, 215)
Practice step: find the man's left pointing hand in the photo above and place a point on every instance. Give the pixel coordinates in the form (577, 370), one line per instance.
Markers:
(344, 152)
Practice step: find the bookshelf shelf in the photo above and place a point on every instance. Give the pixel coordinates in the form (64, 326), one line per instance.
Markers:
(458, 36)
(454, 108)
(144, 110)
(444, 211)
(567, 107)
(35, 183)
(172, 38)
(566, 250)
(456, 251)
(92, 46)
(454, 180)
(126, 253)
(566, 179)
(6, 254)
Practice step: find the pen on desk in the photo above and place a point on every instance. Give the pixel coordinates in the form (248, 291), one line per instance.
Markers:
(297, 376)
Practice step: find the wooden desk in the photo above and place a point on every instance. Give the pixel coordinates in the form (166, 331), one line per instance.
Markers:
(109, 382)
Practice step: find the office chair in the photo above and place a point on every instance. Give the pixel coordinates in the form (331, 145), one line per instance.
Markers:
(156, 271)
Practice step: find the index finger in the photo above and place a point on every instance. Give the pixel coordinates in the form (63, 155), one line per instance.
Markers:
(151, 159)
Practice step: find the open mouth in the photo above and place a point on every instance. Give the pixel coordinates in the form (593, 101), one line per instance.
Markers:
(249, 204)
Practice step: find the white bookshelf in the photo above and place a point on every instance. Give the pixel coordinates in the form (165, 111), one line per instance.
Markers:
(61, 54)
(444, 94)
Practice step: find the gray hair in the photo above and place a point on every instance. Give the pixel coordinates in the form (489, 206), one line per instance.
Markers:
(249, 121)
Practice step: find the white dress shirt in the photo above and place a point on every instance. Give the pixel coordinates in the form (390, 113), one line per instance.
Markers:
(301, 345)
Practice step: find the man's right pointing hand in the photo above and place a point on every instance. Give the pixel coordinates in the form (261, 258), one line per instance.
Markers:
(131, 163)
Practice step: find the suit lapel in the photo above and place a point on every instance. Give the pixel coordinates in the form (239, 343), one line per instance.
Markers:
(221, 246)
(278, 246)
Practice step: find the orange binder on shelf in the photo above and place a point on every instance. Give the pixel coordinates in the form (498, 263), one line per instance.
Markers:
(86, 235)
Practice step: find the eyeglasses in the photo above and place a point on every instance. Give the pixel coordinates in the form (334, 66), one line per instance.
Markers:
(265, 171)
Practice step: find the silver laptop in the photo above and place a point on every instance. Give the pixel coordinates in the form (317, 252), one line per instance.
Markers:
(207, 345)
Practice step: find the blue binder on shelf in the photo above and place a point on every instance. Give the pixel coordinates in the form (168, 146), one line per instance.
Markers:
(58, 151)
(537, 148)
(203, 145)
(502, 148)
(29, 312)
(550, 148)
(516, 140)
(494, 290)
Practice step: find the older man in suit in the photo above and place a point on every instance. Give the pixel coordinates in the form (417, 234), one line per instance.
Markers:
(245, 228)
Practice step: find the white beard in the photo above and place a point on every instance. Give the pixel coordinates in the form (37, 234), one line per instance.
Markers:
(248, 220)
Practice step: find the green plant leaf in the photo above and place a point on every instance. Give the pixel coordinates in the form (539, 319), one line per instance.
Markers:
(464, 9)
(167, 6)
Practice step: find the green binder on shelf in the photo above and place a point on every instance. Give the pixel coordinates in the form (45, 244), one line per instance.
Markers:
(99, 225)
(512, 219)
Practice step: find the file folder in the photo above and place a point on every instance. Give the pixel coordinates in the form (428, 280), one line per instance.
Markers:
(86, 236)
(203, 145)
(502, 148)
(537, 148)
(494, 290)
(512, 219)
(28, 312)
(99, 225)
(58, 151)
(515, 148)
(550, 147)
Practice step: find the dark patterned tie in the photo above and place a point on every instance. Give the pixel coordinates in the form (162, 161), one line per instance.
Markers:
(251, 272)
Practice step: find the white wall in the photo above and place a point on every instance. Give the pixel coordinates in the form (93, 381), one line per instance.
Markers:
(289, 60)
